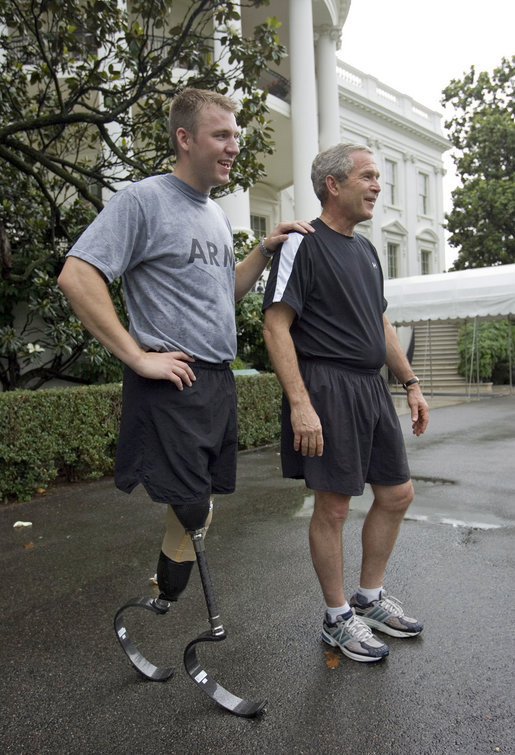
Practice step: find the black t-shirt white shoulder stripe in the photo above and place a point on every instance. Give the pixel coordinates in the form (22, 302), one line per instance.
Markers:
(334, 283)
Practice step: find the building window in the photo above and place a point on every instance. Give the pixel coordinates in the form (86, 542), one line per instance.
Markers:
(390, 181)
(392, 251)
(258, 226)
(423, 194)
(425, 261)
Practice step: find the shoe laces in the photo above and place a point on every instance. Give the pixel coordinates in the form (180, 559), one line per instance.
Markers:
(357, 628)
(391, 604)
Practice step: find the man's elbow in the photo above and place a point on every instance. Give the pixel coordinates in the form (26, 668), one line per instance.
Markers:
(63, 279)
(277, 322)
(273, 337)
(267, 332)
(75, 276)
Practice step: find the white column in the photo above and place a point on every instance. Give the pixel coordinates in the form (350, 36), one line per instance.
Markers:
(303, 107)
(439, 219)
(410, 218)
(237, 208)
(327, 38)
(236, 205)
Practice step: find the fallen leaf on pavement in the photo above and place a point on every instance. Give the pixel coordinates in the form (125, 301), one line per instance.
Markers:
(332, 660)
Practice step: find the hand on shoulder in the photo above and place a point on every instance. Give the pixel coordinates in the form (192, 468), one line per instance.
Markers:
(281, 231)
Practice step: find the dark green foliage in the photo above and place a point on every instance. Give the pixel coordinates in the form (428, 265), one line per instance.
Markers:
(40, 337)
(482, 132)
(249, 325)
(259, 409)
(70, 433)
(485, 351)
(252, 351)
(67, 433)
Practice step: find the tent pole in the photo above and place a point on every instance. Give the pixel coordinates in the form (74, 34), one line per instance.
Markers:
(477, 359)
(472, 352)
(430, 356)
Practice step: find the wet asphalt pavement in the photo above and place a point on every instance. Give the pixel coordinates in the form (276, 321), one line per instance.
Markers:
(67, 687)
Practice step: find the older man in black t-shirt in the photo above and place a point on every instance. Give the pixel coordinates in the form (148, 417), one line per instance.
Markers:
(328, 338)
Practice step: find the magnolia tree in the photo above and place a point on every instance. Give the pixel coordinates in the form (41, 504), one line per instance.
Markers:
(84, 90)
(482, 132)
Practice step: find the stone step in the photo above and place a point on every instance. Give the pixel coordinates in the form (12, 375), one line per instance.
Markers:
(436, 357)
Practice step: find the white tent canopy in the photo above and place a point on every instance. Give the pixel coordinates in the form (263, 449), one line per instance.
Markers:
(486, 292)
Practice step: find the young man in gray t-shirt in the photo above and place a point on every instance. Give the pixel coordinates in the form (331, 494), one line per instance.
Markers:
(172, 246)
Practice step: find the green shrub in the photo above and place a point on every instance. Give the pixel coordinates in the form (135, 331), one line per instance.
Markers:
(490, 341)
(238, 364)
(252, 351)
(249, 327)
(70, 433)
(259, 409)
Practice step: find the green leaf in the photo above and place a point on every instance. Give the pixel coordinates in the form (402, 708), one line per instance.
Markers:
(482, 131)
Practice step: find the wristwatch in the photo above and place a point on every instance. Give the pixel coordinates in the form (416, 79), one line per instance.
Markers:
(409, 382)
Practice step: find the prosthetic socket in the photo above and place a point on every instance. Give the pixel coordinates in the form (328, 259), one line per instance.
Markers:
(177, 555)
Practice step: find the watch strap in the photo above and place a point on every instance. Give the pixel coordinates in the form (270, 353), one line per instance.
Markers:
(412, 381)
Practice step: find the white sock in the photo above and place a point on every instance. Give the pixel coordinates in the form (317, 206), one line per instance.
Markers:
(333, 613)
(370, 594)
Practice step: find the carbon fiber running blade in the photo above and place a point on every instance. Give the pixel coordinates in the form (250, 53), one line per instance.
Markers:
(214, 690)
(140, 663)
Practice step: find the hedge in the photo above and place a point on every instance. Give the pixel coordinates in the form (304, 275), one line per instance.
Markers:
(70, 433)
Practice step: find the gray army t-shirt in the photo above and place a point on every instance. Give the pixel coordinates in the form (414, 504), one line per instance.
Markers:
(173, 248)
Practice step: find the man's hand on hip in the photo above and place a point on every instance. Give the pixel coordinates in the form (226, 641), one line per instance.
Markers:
(172, 365)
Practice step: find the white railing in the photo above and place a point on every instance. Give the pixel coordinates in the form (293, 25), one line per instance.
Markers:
(376, 91)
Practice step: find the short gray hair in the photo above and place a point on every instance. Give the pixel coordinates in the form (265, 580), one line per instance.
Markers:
(335, 161)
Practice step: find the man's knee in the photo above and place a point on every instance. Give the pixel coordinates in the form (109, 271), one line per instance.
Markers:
(331, 507)
(395, 497)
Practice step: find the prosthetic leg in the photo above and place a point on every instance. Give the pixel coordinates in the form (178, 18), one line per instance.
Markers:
(192, 517)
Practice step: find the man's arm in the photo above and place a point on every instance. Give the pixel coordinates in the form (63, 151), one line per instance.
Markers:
(307, 428)
(401, 368)
(85, 287)
(249, 269)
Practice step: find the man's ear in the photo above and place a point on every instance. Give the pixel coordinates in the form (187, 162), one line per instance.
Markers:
(183, 138)
(332, 185)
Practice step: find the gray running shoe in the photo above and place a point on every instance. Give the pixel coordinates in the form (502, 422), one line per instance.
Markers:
(354, 638)
(386, 615)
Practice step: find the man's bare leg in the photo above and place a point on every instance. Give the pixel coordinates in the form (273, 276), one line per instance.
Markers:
(380, 530)
(341, 627)
(325, 540)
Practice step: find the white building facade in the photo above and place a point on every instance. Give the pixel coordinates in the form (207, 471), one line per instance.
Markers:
(316, 100)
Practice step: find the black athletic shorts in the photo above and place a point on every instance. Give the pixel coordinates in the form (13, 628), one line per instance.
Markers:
(363, 439)
(180, 445)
